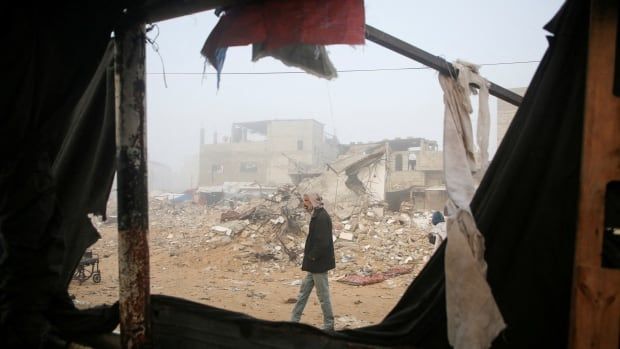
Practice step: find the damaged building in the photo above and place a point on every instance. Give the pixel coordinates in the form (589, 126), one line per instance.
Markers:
(389, 172)
(267, 152)
(414, 174)
(505, 113)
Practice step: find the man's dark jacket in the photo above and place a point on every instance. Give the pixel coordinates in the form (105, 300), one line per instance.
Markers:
(319, 250)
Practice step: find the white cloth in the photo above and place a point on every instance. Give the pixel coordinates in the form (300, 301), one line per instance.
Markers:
(439, 231)
(473, 317)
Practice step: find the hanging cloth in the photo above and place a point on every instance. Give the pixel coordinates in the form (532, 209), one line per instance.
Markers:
(473, 317)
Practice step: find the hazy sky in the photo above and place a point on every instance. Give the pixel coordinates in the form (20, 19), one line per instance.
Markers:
(356, 106)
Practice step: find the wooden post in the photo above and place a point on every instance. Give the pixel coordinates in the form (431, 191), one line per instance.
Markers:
(133, 221)
(595, 313)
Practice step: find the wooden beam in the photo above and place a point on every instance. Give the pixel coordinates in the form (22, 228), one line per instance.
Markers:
(595, 313)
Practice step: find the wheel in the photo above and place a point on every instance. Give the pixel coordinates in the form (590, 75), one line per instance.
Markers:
(80, 274)
(97, 277)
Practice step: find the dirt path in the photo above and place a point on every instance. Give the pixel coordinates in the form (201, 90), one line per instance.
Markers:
(224, 277)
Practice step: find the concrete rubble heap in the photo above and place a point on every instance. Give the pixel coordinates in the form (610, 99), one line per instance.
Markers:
(371, 242)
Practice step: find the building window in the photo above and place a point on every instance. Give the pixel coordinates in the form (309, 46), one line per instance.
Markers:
(300, 145)
(412, 161)
(216, 168)
(399, 163)
(248, 167)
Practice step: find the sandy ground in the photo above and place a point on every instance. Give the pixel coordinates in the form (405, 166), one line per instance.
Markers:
(225, 278)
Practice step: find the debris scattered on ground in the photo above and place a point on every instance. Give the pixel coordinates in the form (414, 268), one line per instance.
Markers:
(363, 280)
(273, 227)
(249, 249)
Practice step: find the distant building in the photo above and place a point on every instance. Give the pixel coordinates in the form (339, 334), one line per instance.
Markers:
(414, 172)
(505, 114)
(267, 152)
(160, 177)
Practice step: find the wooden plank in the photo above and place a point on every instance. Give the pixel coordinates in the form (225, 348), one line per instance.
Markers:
(595, 315)
(598, 300)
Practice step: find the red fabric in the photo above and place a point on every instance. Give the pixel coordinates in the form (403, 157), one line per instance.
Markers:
(279, 23)
(361, 280)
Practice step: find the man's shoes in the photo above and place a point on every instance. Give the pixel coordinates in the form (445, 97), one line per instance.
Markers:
(329, 329)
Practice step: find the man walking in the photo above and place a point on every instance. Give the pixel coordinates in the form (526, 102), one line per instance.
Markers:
(318, 259)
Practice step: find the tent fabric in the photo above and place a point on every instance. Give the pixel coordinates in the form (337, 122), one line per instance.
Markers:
(293, 31)
(51, 64)
(473, 317)
(84, 184)
(313, 59)
(276, 24)
(525, 206)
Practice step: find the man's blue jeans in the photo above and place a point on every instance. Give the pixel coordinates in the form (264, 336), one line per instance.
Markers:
(322, 291)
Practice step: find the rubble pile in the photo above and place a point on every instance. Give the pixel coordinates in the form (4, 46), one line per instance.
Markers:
(377, 240)
(272, 230)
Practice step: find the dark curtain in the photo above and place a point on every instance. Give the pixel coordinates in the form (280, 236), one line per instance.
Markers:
(56, 162)
(56, 115)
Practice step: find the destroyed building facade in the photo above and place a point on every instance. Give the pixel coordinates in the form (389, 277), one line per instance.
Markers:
(267, 152)
(276, 152)
(414, 172)
(391, 172)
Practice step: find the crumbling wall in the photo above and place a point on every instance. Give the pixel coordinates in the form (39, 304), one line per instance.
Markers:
(344, 194)
(337, 197)
(436, 199)
(374, 179)
(429, 161)
(228, 159)
(406, 179)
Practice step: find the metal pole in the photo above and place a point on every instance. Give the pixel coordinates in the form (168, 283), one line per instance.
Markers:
(133, 250)
(441, 65)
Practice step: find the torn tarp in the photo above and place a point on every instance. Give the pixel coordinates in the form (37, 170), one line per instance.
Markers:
(312, 59)
(292, 31)
(474, 319)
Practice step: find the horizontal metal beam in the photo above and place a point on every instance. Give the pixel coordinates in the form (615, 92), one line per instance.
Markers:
(441, 65)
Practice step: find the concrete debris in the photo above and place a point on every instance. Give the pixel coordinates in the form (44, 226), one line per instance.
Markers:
(346, 236)
(349, 321)
(376, 211)
(255, 294)
(279, 220)
(229, 216)
(271, 229)
(404, 219)
(221, 229)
